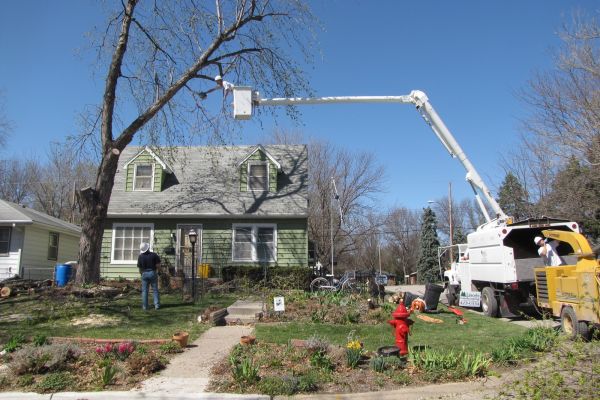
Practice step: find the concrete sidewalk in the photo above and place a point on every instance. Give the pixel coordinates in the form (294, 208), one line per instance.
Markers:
(189, 372)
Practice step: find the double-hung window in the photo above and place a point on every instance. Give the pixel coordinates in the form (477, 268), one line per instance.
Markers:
(4, 240)
(53, 246)
(143, 177)
(254, 243)
(258, 177)
(127, 239)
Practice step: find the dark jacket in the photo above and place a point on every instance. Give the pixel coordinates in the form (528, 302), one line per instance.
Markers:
(148, 261)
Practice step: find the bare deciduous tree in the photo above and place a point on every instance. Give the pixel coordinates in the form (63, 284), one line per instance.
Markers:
(564, 125)
(358, 179)
(402, 231)
(16, 180)
(163, 57)
(57, 180)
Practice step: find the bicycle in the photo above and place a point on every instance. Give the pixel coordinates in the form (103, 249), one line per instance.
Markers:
(347, 283)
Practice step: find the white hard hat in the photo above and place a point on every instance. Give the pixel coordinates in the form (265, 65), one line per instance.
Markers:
(144, 247)
(218, 78)
(537, 239)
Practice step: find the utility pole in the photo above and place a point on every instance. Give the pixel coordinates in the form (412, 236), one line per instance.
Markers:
(450, 220)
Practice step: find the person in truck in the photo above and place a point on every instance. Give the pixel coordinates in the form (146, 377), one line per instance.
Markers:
(547, 250)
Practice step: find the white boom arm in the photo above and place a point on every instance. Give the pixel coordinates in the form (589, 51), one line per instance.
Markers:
(244, 98)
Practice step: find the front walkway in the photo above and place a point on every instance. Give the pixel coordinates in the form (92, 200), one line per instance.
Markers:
(189, 372)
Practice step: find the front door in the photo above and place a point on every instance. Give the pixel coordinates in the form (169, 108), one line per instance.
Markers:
(184, 247)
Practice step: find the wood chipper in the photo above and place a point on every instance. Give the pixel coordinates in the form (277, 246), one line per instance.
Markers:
(571, 292)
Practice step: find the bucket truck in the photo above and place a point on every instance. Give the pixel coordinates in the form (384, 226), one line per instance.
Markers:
(495, 269)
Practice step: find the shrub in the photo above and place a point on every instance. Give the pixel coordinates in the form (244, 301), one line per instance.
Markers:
(55, 381)
(308, 382)
(352, 317)
(320, 359)
(276, 386)
(439, 364)
(170, 348)
(25, 380)
(379, 364)
(541, 338)
(316, 343)
(55, 357)
(40, 340)
(148, 363)
(14, 343)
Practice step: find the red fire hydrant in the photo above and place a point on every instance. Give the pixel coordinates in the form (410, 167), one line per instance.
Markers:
(401, 324)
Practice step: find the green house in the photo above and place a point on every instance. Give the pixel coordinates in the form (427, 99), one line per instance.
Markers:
(247, 204)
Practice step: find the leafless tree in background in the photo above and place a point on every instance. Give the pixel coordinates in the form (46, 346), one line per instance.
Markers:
(16, 180)
(358, 179)
(162, 57)
(563, 130)
(402, 234)
(56, 181)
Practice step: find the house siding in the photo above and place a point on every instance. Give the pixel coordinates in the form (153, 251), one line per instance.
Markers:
(292, 243)
(34, 259)
(145, 158)
(9, 264)
(258, 156)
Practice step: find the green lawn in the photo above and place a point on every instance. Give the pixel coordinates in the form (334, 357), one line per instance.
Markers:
(30, 315)
(480, 333)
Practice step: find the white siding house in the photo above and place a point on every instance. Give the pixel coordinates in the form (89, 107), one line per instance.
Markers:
(32, 243)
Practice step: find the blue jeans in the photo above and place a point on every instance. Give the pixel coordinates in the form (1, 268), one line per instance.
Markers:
(150, 277)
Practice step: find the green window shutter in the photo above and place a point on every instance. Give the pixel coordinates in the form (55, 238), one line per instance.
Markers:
(244, 177)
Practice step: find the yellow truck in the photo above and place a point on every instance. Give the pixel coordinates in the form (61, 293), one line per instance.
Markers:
(571, 292)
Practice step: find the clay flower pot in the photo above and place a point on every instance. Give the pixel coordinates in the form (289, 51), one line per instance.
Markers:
(248, 339)
(181, 338)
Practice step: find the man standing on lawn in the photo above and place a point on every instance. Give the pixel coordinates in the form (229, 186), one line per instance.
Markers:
(148, 264)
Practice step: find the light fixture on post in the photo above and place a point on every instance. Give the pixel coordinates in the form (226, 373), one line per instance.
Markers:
(193, 237)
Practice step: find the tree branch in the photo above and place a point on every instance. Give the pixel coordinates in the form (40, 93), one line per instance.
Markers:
(114, 72)
(156, 45)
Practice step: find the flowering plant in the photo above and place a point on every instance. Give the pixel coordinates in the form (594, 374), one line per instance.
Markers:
(354, 351)
(121, 351)
(125, 349)
(105, 351)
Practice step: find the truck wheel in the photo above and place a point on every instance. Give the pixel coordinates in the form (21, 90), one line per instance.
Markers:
(571, 325)
(489, 303)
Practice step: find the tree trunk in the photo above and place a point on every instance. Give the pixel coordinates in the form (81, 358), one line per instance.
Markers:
(94, 206)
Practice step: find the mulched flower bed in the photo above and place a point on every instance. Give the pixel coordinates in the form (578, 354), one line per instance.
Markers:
(289, 369)
(82, 365)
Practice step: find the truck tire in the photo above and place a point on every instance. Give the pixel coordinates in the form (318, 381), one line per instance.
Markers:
(489, 303)
(571, 325)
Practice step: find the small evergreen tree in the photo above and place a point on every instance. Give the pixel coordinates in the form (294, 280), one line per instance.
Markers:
(427, 266)
(458, 236)
(512, 197)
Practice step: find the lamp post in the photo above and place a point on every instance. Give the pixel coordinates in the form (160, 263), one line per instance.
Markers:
(193, 237)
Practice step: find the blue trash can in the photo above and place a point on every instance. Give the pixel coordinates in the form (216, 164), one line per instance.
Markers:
(62, 272)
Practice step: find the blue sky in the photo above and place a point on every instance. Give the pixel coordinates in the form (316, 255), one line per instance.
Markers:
(470, 57)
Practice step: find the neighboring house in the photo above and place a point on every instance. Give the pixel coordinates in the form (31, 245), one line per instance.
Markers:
(32, 243)
(248, 205)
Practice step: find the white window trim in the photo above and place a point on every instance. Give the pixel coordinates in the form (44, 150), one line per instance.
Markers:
(126, 225)
(268, 164)
(254, 237)
(151, 178)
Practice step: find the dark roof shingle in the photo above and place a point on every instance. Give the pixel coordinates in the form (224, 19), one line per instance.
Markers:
(206, 183)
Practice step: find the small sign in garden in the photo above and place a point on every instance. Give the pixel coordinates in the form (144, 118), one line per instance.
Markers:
(279, 304)
(469, 299)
